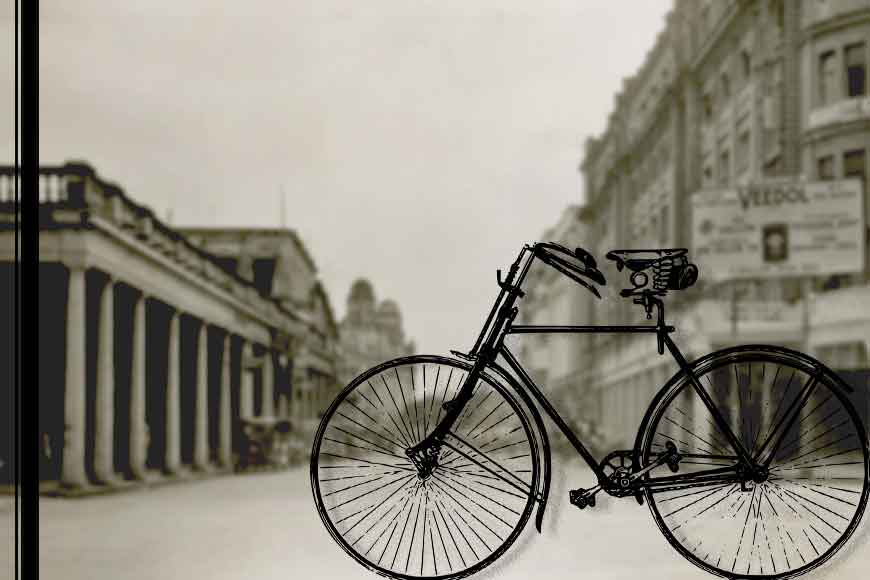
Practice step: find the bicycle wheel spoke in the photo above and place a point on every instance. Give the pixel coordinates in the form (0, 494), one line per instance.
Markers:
(402, 535)
(391, 465)
(380, 519)
(402, 434)
(402, 418)
(458, 481)
(475, 502)
(472, 514)
(330, 439)
(413, 535)
(487, 416)
(389, 523)
(364, 494)
(459, 530)
(494, 425)
(425, 411)
(385, 438)
(698, 437)
(489, 486)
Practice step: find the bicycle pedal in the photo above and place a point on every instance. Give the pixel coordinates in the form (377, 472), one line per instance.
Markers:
(639, 497)
(581, 498)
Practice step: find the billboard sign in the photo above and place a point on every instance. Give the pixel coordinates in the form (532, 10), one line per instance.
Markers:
(779, 228)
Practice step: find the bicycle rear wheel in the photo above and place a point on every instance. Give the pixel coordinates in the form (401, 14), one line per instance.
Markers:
(402, 523)
(790, 413)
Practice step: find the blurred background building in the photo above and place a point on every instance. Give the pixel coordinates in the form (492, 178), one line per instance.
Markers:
(279, 266)
(371, 333)
(764, 99)
(161, 346)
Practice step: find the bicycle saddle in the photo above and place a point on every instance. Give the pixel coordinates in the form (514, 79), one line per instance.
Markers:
(637, 260)
(670, 270)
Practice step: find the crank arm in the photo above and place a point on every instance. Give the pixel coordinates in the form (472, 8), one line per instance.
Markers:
(663, 458)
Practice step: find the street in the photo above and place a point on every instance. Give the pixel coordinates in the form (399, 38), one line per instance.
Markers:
(265, 526)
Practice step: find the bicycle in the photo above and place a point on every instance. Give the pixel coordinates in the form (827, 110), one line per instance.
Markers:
(751, 459)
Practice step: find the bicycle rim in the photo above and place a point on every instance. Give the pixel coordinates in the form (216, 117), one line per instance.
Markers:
(817, 489)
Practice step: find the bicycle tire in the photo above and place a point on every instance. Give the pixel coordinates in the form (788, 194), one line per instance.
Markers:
(802, 470)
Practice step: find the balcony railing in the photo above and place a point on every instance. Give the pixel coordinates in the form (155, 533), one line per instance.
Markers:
(57, 185)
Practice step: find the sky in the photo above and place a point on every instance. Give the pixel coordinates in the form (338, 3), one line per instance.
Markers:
(419, 144)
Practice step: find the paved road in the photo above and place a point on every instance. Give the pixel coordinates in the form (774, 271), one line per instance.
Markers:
(264, 526)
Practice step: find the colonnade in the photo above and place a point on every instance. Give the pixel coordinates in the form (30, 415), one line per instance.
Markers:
(89, 438)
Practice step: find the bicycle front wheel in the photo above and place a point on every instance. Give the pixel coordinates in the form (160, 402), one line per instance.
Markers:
(790, 414)
(403, 523)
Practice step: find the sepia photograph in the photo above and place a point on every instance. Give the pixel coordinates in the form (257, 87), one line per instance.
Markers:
(436, 290)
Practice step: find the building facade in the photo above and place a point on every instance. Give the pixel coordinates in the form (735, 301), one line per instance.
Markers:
(732, 93)
(153, 354)
(278, 264)
(371, 333)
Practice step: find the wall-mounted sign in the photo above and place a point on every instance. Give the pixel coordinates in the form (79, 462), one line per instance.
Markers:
(779, 228)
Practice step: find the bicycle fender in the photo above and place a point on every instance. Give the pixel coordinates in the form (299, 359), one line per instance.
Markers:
(544, 484)
(702, 361)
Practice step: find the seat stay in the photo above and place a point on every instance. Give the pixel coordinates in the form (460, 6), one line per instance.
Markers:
(735, 443)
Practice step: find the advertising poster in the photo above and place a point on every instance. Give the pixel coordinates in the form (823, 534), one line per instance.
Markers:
(779, 229)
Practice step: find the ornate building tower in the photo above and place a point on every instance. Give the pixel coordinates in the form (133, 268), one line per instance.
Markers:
(370, 333)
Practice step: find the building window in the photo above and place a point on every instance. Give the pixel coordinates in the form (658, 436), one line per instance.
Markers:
(264, 274)
(855, 164)
(725, 84)
(856, 70)
(724, 167)
(228, 264)
(827, 77)
(779, 10)
(825, 167)
(741, 155)
(708, 108)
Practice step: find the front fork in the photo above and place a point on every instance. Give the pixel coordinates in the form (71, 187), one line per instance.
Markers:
(424, 455)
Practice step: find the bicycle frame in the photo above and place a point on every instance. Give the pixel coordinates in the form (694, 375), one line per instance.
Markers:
(490, 344)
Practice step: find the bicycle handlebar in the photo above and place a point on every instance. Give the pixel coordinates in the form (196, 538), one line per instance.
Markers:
(559, 257)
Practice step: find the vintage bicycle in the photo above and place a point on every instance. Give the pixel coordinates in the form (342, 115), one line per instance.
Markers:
(752, 460)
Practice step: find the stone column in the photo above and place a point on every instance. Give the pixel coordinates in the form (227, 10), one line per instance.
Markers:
(246, 397)
(283, 399)
(200, 454)
(226, 422)
(173, 392)
(73, 469)
(105, 403)
(138, 426)
(268, 409)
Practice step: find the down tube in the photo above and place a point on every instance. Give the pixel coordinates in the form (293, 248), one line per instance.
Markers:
(515, 366)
